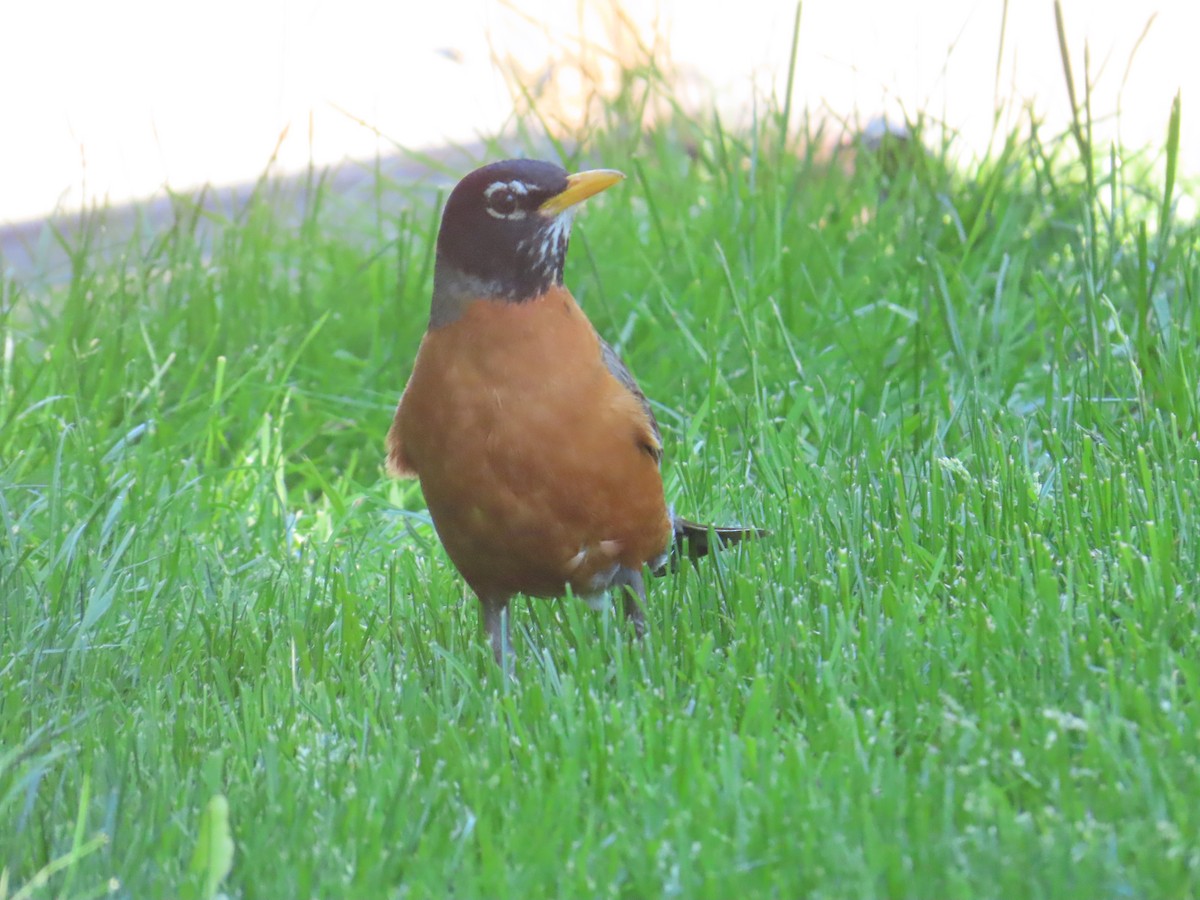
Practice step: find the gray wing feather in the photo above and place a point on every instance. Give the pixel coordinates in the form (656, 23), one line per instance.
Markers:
(620, 372)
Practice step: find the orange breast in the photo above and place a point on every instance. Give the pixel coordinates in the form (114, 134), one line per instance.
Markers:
(531, 455)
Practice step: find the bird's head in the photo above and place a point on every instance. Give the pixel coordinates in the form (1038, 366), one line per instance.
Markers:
(505, 230)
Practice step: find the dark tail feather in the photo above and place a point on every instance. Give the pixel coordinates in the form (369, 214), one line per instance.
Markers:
(694, 540)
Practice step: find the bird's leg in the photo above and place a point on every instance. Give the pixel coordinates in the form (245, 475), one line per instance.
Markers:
(633, 596)
(495, 620)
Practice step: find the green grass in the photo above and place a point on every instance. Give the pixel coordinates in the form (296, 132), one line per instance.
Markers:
(965, 664)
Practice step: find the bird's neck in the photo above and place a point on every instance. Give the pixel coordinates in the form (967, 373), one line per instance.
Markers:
(454, 290)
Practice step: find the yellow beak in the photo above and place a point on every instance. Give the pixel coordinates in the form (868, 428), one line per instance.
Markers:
(580, 186)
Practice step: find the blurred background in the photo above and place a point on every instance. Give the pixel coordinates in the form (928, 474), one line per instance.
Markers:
(112, 102)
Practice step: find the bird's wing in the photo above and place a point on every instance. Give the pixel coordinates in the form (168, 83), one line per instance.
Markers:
(691, 538)
(620, 372)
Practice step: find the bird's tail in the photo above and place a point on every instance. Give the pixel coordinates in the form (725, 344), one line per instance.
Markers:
(694, 540)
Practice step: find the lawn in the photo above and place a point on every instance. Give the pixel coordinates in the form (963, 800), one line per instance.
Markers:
(962, 396)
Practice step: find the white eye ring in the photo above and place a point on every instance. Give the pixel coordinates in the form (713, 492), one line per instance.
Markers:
(512, 190)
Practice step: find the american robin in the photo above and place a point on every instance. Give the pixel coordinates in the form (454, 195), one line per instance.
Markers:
(537, 453)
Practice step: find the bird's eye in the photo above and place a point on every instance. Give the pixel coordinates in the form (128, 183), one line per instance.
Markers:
(503, 202)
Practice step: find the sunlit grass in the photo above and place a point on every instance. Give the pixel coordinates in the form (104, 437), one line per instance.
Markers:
(965, 664)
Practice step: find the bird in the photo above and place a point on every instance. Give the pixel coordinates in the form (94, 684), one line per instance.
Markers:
(538, 455)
